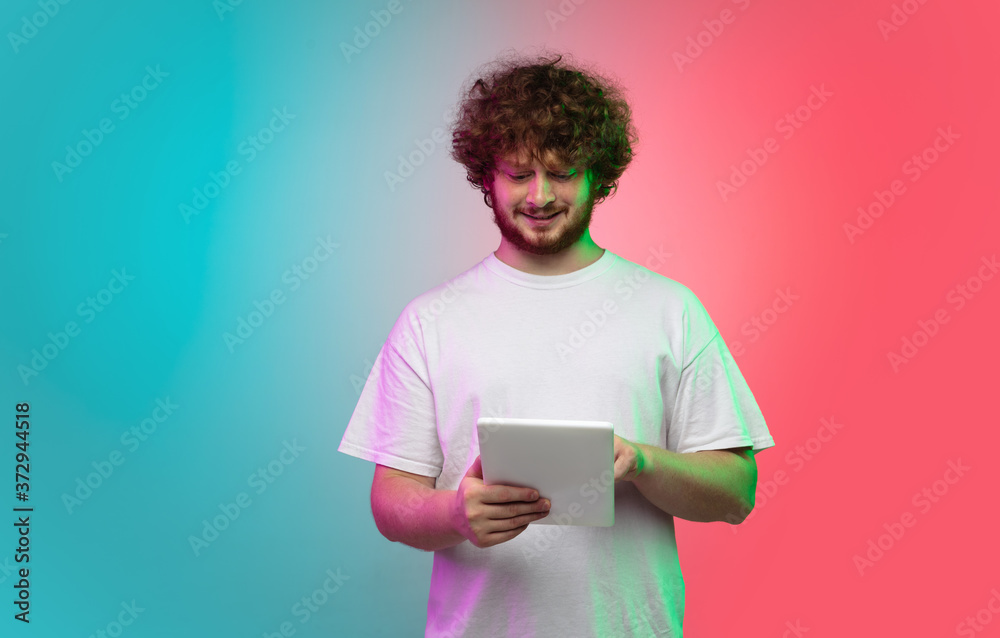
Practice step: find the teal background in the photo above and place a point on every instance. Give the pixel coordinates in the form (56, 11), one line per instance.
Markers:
(161, 337)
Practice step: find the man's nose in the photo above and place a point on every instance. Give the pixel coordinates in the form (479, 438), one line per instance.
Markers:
(540, 193)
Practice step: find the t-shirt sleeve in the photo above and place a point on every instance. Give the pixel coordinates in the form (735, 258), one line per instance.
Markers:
(394, 421)
(714, 408)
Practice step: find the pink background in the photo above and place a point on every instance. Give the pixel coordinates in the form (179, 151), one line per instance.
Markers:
(826, 355)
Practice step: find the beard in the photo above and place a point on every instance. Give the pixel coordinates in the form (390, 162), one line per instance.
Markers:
(544, 241)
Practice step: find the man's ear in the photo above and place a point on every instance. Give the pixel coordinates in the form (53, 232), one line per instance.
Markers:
(488, 192)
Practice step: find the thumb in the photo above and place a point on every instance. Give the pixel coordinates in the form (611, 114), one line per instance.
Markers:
(476, 469)
(621, 469)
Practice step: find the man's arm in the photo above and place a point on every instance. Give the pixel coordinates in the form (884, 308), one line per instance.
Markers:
(408, 509)
(712, 485)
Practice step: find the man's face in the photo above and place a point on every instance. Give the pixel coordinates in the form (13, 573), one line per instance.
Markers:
(524, 188)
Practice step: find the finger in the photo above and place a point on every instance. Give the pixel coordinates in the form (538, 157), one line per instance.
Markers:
(493, 532)
(510, 527)
(508, 494)
(621, 467)
(524, 519)
(510, 511)
(476, 469)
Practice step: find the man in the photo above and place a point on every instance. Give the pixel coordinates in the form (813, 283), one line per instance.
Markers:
(510, 337)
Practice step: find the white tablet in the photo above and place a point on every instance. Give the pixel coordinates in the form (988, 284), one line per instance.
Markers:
(571, 463)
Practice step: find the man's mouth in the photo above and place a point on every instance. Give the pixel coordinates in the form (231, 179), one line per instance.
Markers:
(540, 217)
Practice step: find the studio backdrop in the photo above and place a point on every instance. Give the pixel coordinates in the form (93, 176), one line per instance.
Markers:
(212, 213)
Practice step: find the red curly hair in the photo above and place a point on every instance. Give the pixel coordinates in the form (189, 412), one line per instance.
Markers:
(540, 105)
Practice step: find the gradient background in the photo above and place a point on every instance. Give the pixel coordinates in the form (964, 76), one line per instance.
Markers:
(298, 376)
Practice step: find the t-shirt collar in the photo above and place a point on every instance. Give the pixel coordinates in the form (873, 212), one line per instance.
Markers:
(529, 280)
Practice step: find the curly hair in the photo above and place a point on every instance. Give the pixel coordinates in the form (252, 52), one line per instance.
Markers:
(539, 105)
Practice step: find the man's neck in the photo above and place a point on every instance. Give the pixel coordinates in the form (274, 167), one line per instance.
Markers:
(565, 262)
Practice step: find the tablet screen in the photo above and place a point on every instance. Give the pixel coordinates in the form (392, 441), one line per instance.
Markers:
(571, 463)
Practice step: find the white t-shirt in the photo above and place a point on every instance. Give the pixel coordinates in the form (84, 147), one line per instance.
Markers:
(612, 341)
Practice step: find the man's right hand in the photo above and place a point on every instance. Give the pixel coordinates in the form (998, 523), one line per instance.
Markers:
(488, 515)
